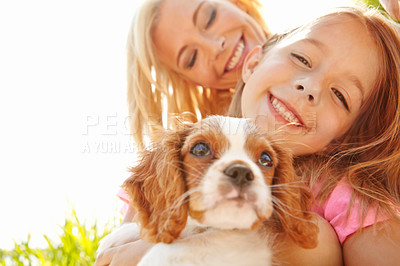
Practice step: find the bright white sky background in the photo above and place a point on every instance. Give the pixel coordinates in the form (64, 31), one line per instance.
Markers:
(63, 134)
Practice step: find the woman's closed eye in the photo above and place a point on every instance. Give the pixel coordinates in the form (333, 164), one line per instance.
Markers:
(301, 60)
(192, 59)
(341, 98)
(211, 19)
(207, 15)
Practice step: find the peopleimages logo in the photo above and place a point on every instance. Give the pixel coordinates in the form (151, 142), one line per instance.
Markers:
(110, 133)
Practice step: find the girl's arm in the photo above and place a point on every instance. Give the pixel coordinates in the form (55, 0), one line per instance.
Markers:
(327, 253)
(125, 255)
(119, 241)
(374, 246)
(129, 250)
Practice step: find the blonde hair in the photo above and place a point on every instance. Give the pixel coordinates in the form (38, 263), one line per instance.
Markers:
(149, 81)
(368, 154)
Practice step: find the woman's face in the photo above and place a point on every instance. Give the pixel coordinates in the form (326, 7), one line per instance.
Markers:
(205, 41)
(311, 86)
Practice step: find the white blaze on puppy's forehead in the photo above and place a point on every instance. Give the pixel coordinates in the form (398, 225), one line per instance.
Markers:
(236, 130)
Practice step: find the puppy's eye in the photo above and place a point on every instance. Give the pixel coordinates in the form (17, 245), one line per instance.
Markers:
(266, 159)
(200, 149)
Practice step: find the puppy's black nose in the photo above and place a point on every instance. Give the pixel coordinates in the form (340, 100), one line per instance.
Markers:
(239, 174)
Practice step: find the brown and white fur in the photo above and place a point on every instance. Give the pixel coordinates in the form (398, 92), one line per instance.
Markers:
(218, 192)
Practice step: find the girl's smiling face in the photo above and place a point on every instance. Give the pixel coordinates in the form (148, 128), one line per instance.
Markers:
(205, 41)
(315, 80)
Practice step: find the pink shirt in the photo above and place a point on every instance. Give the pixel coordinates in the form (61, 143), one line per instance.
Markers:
(334, 210)
(125, 198)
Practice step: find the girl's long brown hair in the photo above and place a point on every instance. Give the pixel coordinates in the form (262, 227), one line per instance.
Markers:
(368, 154)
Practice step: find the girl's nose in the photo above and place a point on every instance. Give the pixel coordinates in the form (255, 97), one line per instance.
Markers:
(309, 91)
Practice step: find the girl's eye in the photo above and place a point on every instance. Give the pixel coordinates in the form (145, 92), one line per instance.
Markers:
(200, 149)
(302, 60)
(266, 159)
(341, 98)
(213, 13)
(192, 60)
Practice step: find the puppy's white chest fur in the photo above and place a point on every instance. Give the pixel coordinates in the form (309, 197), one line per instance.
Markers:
(211, 247)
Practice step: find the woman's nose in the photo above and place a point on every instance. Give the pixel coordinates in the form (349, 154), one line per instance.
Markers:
(310, 92)
(215, 46)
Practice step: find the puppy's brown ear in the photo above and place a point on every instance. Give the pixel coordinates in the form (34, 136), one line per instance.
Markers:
(292, 199)
(156, 188)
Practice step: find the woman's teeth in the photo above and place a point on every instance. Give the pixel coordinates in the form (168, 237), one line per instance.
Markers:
(237, 55)
(284, 112)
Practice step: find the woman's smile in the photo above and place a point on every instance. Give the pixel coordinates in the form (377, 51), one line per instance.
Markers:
(236, 59)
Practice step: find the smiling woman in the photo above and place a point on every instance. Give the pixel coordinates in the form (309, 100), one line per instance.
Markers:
(188, 53)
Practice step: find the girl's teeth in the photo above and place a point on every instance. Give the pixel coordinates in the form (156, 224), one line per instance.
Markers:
(238, 54)
(284, 112)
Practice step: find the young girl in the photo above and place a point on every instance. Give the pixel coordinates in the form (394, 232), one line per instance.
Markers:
(332, 89)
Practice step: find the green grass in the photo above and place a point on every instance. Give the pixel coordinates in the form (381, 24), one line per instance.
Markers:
(77, 244)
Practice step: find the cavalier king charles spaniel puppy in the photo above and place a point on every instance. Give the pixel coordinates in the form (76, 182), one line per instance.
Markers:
(218, 192)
